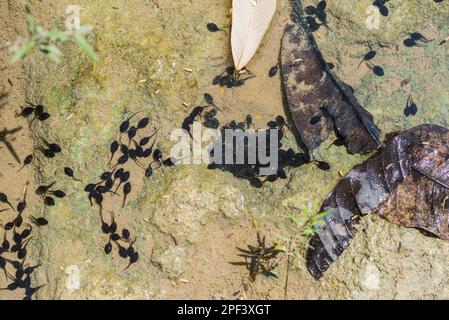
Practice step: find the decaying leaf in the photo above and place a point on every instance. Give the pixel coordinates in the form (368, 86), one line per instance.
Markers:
(250, 22)
(318, 101)
(406, 183)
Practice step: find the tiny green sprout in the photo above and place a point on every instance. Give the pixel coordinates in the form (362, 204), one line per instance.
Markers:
(302, 226)
(311, 220)
(314, 219)
(47, 41)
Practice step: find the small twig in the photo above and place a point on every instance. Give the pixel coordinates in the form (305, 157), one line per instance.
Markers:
(290, 246)
(288, 267)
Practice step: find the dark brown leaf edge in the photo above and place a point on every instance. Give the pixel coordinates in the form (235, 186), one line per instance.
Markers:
(406, 182)
(313, 93)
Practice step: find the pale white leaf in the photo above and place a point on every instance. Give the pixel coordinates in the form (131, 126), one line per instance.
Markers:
(250, 21)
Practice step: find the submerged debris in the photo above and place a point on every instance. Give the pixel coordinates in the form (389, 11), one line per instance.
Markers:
(318, 101)
(406, 182)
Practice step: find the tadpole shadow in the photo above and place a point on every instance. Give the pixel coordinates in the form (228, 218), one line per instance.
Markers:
(7, 142)
(3, 98)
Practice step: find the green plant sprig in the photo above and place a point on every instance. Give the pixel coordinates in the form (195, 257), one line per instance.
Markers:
(46, 41)
(303, 228)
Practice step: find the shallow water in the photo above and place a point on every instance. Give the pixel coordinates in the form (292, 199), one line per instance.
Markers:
(188, 220)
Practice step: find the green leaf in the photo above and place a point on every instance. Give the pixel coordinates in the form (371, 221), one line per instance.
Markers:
(55, 36)
(83, 44)
(318, 223)
(23, 51)
(41, 31)
(309, 232)
(322, 215)
(31, 25)
(51, 51)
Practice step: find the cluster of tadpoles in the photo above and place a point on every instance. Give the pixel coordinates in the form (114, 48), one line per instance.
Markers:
(130, 147)
(231, 78)
(50, 150)
(34, 109)
(382, 7)
(210, 120)
(316, 16)
(252, 171)
(416, 39)
(13, 249)
(17, 233)
(48, 195)
(411, 109)
(126, 250)
(370, 55)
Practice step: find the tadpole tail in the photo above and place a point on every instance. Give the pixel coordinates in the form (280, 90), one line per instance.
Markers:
(110, 160)
(358, 67)
(124, 201)
(11, 206)
(138, 163)
(127, 267)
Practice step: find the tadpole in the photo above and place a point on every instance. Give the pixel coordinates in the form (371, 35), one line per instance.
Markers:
(143, 123)
(41, 221)
(369, 56)
(113, 148)
(212, 27)
(28, 160)
(126, 190)
(69, 172)
(125, 124)
(273, 71)
(4, 199)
